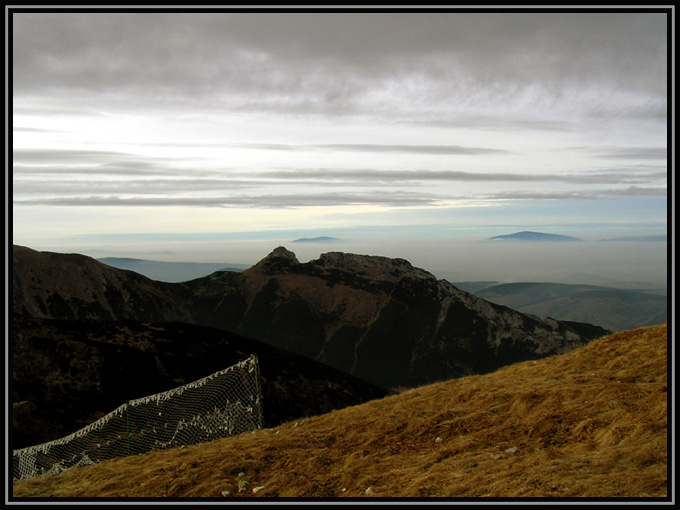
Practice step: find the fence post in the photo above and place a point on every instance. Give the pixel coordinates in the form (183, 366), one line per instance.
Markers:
(259, 391)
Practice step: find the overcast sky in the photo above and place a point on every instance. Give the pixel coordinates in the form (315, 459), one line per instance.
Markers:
(191, 127)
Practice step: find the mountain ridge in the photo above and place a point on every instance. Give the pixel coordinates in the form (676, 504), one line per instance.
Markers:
(393, 318)
(379, 319)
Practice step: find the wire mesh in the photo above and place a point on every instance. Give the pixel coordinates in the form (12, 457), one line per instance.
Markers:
(222, 404)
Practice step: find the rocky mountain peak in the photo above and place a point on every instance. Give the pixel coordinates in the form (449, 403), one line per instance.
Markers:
(370, 266)
(282, 252)
(279, 258)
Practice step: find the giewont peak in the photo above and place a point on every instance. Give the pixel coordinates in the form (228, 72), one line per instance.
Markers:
(282, 252)
(276, 259)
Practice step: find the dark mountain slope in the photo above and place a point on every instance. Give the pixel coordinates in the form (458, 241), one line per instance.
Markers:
(72, 286)
(67, 374)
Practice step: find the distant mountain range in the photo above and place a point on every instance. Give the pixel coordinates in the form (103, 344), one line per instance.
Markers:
(614, 309)
(170, 271)
(317, 240)
(543, 237)
(174, 272)
(535, 236)
(662, 238)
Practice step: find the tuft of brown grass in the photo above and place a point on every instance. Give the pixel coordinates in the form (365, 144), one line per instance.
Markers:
(590, 423)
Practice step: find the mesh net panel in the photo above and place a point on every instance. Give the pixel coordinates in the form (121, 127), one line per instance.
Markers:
(223, 404)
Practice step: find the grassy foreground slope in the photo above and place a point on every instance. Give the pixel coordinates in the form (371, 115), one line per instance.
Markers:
(589, 423)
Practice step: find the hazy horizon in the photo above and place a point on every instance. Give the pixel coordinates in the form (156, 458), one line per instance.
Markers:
(218, 136)
(593, 262)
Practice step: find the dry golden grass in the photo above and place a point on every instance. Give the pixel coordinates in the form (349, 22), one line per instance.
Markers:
(591, 423)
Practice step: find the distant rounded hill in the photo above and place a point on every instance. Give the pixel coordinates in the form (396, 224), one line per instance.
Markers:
(323, 239)
(535, 236)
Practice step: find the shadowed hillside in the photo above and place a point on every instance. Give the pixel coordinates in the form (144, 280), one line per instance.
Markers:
(70, 286)
(67, 374)
(589, 423)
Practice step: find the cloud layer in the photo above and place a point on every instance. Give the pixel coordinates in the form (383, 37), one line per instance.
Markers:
(349, 111)
(282, 53)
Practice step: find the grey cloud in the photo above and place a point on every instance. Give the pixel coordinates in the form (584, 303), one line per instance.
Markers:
(136, 187)
(389, 199)
(637, 153)
(639, 191)
(204, 192)
(38, 156)
(90, 162)
(483, 121)
(577, 195)
(21, 129)
(396, 176)
(656, 110)
(51, 101)
(109, 170)
(77, 173)
(152, 173)
(323, 61)
(541, 195)
(416, 149)
(384, 148)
